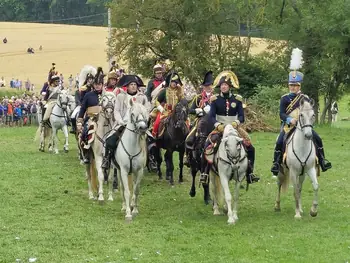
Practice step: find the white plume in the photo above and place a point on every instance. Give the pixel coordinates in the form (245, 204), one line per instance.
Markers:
(83, 73)
(296, 61)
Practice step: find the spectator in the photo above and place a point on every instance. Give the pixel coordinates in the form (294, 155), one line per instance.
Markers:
(12, 83)
(2, 82)
(70, 81)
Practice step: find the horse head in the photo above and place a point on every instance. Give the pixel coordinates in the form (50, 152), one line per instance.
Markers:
(138, 116)
(233, 145)
(107, 103)
(180, 114)
(306, 117)
(63, 99)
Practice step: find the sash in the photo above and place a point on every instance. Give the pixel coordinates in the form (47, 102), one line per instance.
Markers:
(293, 105)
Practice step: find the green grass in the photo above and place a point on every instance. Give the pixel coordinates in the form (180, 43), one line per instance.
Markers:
(171, 227)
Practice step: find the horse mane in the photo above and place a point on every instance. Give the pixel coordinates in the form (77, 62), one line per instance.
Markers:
(229, 131)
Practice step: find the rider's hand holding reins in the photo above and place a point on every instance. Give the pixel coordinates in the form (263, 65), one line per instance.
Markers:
(79, 124)
(160, 108)
(293, 122)
(235, 123)
(199, 112)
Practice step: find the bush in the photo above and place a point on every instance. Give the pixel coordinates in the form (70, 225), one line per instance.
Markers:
(9, 92)
(267, 99)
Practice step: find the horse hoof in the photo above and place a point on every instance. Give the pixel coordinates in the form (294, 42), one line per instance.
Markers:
(277, 209)
(192, 193)
(297, 216)
(207, 201)
(110, 198)
(66, 151)
(160, 178)
(128, 219)
(313, 213)
(216, 213)
(101, 202)
(231, 221)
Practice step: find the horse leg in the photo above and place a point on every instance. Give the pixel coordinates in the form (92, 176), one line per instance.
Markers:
(65, 132)
(115, 179)
(313, 177)
(181, 165)
(215, 190)
(295, 179)
(122, 192)
(228, 198)
(88, 176)
(171, 168)
(135, 198)
(110, 183)
(42, 138)
(101, 178)
(235, 201)
(281, 177)
(167, 165)
(193, 187)
(124, 179)
(159, 163)
(206, 194)
(54, 139)
(301, 181)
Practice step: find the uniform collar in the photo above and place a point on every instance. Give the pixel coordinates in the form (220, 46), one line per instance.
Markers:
(226, 95)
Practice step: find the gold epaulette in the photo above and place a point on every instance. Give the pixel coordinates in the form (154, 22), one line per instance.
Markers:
(238, 97)
(83, 88)
(212, 98)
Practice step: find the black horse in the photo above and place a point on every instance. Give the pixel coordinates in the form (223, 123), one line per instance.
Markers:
(204, 127)
(173, 139)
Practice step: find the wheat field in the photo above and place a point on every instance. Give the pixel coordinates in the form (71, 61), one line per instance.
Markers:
(69, 46)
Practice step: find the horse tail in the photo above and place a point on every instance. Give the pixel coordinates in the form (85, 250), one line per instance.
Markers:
(37, 133)
(285, 182)
(93, 175)
(218, 191)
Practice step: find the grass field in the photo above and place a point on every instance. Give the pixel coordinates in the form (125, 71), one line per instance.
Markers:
(38, 219)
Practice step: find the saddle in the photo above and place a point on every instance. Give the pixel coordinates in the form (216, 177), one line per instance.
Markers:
(88, 134)
(161, 127)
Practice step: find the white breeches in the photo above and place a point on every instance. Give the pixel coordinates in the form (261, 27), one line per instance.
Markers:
(75, 112)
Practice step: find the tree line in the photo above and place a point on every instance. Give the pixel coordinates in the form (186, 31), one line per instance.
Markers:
(84, 12)
(196, 36)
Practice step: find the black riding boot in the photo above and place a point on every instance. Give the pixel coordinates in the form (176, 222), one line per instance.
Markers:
(85, 153)
(74, 126)
(106, 159)
(251, 178)
(276, 162)
(205, 169)
(324, 163)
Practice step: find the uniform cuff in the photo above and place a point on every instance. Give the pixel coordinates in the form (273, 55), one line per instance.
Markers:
(289, 119)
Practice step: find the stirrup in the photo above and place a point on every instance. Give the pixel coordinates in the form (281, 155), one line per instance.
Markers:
(204, 179)
(275, 169)
(251, 178)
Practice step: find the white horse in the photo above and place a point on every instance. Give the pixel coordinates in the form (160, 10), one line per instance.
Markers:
(232, 163)
(58, 121)
(334, 111)
(131, 156)
(104, 124)
(300, 159)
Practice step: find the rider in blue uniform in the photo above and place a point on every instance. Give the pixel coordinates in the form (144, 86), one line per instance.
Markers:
(289, 111)
(227, 108)
(90, 108)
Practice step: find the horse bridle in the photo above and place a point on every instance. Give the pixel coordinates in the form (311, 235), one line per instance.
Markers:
(235, 159)
(304, 126)
(135, 122)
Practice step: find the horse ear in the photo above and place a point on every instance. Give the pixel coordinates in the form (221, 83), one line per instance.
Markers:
(302, 100)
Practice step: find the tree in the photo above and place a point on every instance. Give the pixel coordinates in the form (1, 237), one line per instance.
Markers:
(195, 36)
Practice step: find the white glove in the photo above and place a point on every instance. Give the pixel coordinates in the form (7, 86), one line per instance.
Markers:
(122, 122)
(199, 111)
(160, 108)
(206, 109)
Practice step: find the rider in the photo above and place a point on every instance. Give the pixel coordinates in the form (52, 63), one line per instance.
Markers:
(155, 81)
(122, 105)
(51, 72)
(200, 103)
(83, 90)
(167, 99)
(111, 81)
(89, 109)
(50, 96)
(289, 111)
(227, 108)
